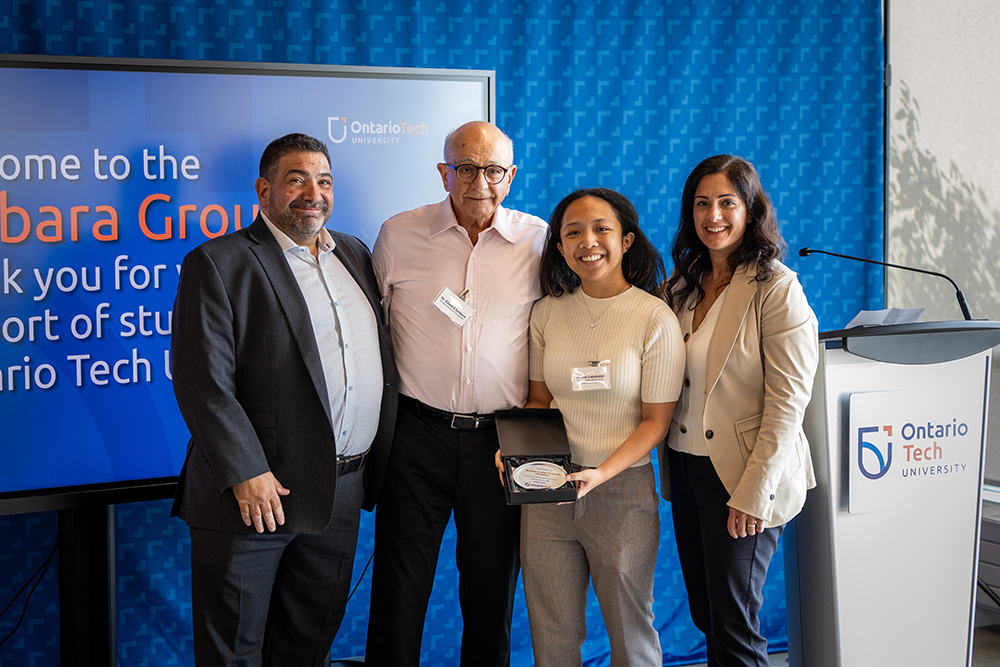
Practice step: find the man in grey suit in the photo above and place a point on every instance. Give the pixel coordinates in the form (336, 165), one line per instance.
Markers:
(283, 375)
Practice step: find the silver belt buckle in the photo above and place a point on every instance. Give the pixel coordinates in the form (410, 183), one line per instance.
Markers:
(475, 422)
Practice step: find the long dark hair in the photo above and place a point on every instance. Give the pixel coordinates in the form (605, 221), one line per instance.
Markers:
(641, 265)
(761, 244)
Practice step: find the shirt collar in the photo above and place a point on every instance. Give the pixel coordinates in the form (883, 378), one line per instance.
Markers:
(446, 219)
(325, 240)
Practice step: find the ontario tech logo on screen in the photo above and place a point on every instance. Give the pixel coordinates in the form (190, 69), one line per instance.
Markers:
(874, 452)
(371, 132)
(334, 125)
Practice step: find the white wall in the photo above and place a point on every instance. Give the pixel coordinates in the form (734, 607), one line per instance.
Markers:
(944, 176)
(944, 172)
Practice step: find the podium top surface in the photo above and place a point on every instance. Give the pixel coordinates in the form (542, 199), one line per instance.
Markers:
(918, 342)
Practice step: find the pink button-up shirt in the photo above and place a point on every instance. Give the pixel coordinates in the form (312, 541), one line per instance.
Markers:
(482, 366)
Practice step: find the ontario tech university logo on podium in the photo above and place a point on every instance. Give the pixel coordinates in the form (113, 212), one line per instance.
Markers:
(908, 446)
(874, 458)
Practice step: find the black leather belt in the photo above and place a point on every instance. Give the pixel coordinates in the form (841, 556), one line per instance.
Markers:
(455, 420)
(349, 464)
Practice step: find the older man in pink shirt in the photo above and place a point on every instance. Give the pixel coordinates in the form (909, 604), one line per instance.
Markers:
(458, 279)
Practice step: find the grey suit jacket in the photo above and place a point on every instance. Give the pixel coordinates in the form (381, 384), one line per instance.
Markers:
(250, 386)
(761, 362)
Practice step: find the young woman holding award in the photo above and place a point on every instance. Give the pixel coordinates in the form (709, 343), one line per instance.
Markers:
(607, 352)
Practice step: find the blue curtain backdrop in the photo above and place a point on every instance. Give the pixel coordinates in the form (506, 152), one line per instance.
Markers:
(624, 94)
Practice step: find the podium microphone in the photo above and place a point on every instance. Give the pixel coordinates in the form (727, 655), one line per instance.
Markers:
(805, 252)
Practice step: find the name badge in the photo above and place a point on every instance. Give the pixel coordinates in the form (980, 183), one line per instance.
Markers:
(594, 377)
(452, 305)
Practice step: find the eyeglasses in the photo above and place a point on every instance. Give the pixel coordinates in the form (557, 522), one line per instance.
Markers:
(467, 173)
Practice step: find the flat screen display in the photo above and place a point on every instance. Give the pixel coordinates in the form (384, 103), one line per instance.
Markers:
(110, 172)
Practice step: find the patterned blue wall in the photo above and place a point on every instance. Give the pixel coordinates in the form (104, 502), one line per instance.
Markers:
(25, 542)
(624, 94)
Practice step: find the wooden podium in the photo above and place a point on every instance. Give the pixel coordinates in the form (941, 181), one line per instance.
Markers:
(881, 563)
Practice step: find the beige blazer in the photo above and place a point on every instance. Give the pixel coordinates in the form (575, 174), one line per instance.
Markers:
(761, 362)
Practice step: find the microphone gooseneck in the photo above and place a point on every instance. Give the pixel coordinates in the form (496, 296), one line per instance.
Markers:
(962, 303)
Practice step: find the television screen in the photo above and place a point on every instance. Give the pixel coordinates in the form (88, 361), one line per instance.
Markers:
(110, 172)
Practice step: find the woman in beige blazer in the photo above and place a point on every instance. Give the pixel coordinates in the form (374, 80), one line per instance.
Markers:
(737, 466)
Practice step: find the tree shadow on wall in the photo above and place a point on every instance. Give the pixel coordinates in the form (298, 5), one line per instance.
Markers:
(940, 221)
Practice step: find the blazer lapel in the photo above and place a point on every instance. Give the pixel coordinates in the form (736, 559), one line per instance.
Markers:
(363, 282)
(734, 309)
(289, 296)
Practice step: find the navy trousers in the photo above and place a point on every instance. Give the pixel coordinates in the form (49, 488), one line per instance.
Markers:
(724, 577)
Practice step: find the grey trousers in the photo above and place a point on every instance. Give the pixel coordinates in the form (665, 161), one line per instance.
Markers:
(611, 536)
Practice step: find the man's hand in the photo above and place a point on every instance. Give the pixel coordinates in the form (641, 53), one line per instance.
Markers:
(260, 502)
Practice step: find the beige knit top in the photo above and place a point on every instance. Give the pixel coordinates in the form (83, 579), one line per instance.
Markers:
(640, 338)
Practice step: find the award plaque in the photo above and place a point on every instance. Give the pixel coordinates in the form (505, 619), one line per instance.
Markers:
(535, 456)
(535, 475)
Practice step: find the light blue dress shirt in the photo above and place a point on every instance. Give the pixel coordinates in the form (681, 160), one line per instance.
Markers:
(347, 336)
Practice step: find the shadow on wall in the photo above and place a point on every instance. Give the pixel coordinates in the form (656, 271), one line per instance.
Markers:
(940, 221)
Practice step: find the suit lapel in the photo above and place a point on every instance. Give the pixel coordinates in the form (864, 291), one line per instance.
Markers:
(357, 272)
(289, 296)
(734, 309)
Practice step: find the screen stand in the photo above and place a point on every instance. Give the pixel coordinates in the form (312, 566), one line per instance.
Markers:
(86, 578)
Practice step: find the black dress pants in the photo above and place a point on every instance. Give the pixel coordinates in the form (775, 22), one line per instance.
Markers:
(724, 576)
(433, 471)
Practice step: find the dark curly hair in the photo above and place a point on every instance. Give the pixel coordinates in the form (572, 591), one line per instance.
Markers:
(641, 265)
(761, 244)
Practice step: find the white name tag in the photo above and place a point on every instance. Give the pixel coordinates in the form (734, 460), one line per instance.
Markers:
(595, 377)
(452, 305)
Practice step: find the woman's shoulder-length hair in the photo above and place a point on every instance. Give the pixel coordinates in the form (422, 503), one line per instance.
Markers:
(641, 264)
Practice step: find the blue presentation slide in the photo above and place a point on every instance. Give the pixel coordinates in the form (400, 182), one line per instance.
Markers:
(109, 176)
